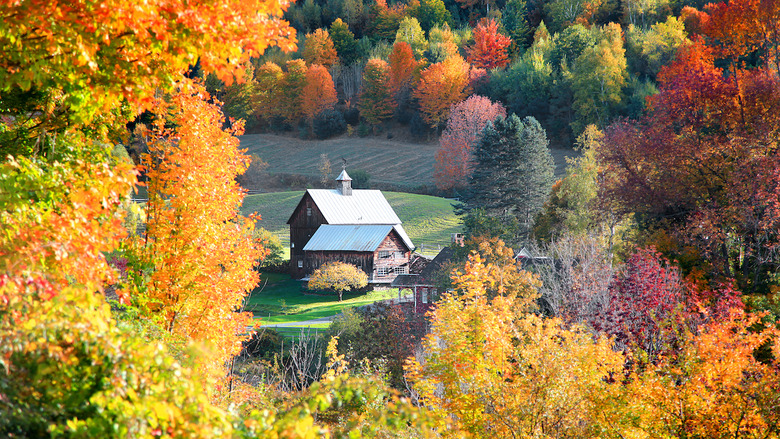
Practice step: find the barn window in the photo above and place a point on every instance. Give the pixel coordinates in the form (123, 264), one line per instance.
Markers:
(300, 263)
(384, 254)
(400, 270)
(424, 295)
(381, 271)
(308, 211)
(399, 255)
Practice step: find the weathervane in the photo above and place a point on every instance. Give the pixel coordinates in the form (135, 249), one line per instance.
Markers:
(344, 164)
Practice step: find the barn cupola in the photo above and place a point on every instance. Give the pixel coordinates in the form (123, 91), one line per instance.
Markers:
(344, 183)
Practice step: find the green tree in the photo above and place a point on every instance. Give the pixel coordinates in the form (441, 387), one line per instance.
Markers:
(412, 34)
(339, 277)
(649, 50)
(515, 20)
(513, 171)
(432, 13)
(289, 91)
(571, 209)
(344, 41)
(599, 78)
(376, 102)
(441, 44)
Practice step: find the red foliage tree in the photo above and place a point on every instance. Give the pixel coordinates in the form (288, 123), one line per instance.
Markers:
(467, 119)
(490, 49)
(652, 306)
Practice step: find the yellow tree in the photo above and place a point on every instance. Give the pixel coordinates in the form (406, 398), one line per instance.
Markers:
(199, 249)
(441, 86)
(339, 277)
(500, 372)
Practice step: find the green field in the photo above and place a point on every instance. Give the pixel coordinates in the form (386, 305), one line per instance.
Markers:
(279, 299)
(429, 221)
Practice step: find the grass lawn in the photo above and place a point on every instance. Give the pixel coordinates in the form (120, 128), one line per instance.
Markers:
(429, 221)
(279, 299)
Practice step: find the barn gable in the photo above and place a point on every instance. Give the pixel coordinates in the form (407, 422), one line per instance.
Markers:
(345, 224)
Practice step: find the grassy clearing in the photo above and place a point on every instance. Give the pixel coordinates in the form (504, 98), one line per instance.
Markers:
(279, 299)
(428, 220)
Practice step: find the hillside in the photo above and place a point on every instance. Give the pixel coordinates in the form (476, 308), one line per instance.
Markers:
(429, 221)
(388, 161)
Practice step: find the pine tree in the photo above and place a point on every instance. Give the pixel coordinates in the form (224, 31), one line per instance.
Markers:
(513, 171)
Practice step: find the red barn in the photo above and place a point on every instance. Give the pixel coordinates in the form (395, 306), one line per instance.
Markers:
(356, 226)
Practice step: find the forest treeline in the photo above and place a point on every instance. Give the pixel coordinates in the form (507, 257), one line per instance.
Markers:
(566, 63)
(644, 305)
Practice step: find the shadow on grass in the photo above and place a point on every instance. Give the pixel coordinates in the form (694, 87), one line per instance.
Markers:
(279, 299)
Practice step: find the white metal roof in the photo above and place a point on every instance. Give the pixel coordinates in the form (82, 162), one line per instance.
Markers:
(360, 238)
(364, 206)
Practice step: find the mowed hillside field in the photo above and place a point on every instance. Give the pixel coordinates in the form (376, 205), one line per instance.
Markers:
(388, 161)
(429, 221)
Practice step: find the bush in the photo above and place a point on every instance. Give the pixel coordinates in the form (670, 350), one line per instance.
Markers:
(262, 344)
(360, 179)
(364, 129)
(352, 116)
(329, 123)
(273, 244)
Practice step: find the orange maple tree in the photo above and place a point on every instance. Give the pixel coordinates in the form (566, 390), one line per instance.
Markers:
(99, 53)
(318, 48)
(319, 93)
(199, 249)
(404, 69)
(442, 85)
(491, 48)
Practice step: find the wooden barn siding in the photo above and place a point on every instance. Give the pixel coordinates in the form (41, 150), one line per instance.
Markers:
(302, 228)
(392, 243)
(315, 259)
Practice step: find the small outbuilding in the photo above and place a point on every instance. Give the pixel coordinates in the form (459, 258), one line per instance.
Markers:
(355, 226)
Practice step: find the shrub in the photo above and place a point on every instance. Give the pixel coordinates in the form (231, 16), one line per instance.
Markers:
(329, 123)
(273, 244)
(352, 116)
(262, 344)
(360, 179)
(364, 129)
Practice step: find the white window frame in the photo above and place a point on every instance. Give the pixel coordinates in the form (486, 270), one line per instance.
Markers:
(382, 271)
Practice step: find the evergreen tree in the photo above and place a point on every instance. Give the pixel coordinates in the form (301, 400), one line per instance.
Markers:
(515, 20)
(513, 172)
(344, 41)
